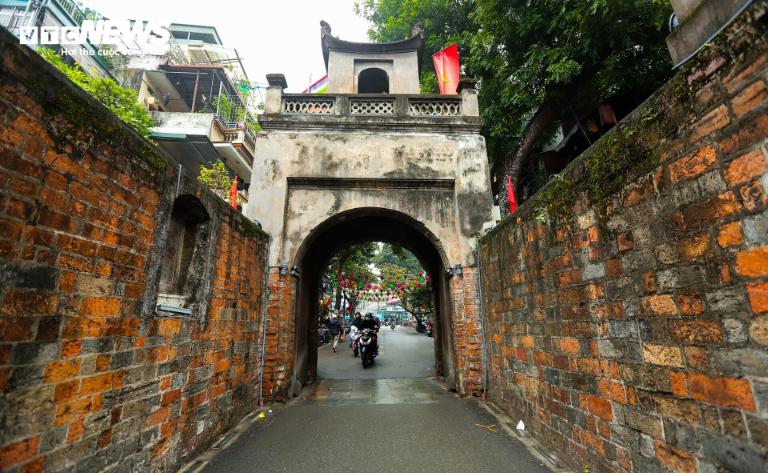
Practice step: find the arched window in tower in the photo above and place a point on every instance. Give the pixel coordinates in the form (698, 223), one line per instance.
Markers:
(185, 244)
(373, 81)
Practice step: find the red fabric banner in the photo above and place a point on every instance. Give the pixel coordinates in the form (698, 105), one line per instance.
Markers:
(233, 194)
(511, 196)
(447, 68)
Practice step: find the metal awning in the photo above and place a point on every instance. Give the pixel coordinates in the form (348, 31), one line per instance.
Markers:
(190, 151)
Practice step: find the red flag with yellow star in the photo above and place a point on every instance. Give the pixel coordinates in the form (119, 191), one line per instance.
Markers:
(447, 68)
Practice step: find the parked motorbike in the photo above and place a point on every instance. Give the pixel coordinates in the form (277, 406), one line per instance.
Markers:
(323, 336)
(428, 329)
(369, 347)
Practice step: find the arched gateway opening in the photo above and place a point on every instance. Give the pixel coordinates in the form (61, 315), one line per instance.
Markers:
(358, 226)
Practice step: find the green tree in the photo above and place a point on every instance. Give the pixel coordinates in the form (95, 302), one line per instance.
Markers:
(216, 177)
(537, 61)
(122, 101)
(398, 265)
(353, 260)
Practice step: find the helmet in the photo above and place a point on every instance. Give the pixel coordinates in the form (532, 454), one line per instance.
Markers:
(368, 316)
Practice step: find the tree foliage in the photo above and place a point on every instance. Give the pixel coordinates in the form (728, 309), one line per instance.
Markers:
(355, 260)
(537, 61)
(397, 264)
(393, 265)
(215, 177)
(122, 101)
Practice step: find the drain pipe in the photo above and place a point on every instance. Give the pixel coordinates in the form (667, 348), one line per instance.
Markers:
(482, 320)
(265, 303)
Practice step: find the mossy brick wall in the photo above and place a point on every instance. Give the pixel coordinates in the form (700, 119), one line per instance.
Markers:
(91, 379)
(626, 306)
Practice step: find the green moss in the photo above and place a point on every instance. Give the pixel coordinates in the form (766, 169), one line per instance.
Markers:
(556, 199)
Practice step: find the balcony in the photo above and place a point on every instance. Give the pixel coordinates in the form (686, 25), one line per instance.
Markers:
(193, 139)
(371, 111)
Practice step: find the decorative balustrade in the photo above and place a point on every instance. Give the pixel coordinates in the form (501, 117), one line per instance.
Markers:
(372, 106)
(434, 107)
(311, 105)
(402, 106)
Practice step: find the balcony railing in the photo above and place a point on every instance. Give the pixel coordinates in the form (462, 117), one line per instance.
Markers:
(372, 106)
(72, 10)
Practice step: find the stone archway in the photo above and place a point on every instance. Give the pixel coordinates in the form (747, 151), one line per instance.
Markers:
(357, 226)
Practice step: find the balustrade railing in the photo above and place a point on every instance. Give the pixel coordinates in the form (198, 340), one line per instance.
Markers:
(309, 105)
(372, 106)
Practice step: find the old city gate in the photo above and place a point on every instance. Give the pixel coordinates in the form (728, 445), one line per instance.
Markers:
(370, 160)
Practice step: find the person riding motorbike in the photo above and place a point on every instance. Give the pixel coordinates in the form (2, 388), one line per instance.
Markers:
(355, 325)
(370, 324)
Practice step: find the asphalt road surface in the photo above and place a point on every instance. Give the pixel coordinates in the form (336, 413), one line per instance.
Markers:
(403, 353)
(349, 422)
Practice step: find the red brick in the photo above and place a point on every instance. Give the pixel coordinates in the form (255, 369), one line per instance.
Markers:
(694, 247)
(171, 396)
(749, 98)
(72, 411)
(66, 391)
(690, 303)
(727, 392)
(709, 123)
(729, 235)
(600, 407)
(659, 305)
(692, 165)
(677, 380)
(100, 307)
(71, 348)
(19, 302)
(75, 431)
(751, 130)
(674, 459)
(758, 297)
(739, 77)
(61, 370)
(35, 466)
(753, 262)
(19, 452)
(158, 417)
(752, 196)
(570, 345)
(95, 384)
(612, 390)
(746, 167)
(703, 214)
(662, 355)
(695, 331)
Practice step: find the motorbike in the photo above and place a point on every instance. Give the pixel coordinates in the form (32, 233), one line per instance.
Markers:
(355, 343)
(428, 329)
(368, 344)
(323, 336)
(392, 326)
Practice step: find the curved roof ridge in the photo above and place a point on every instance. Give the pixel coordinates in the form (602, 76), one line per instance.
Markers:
(330, 42)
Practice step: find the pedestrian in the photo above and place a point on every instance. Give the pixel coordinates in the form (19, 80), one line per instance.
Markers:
(334, 326)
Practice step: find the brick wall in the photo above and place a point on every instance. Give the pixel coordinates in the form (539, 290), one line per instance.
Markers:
(626, 313)
(91, 378)
(281, 335)
(467, 333)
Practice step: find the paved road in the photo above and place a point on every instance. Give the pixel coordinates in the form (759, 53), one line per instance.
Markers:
(403, 425)
(403, 353)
